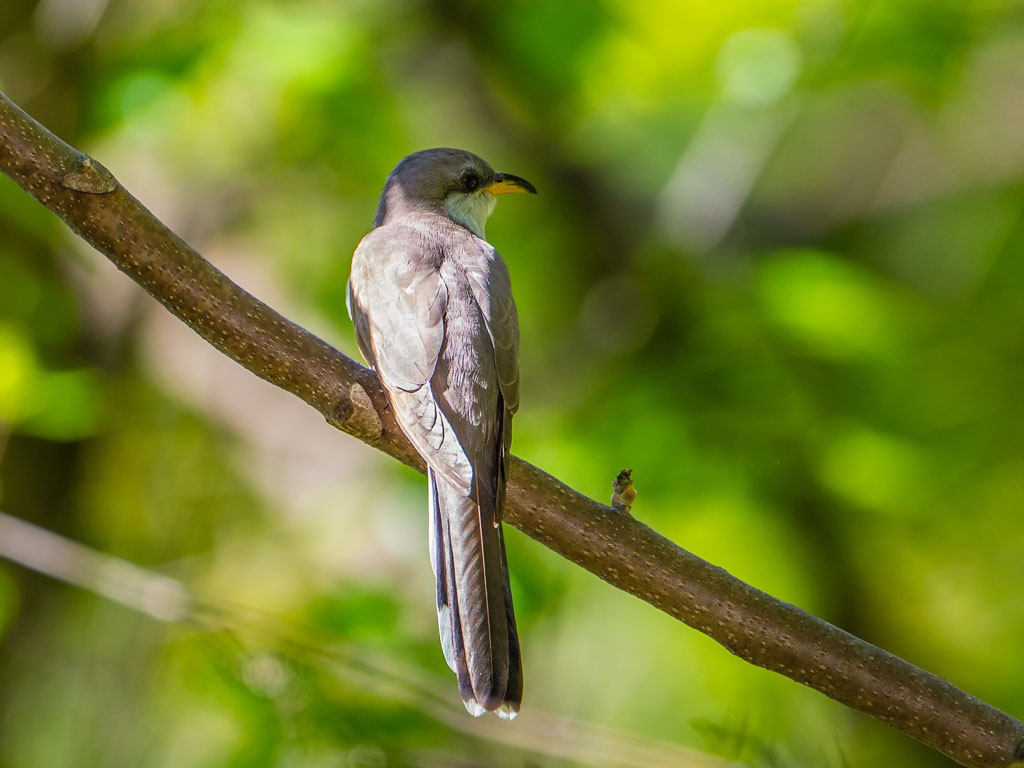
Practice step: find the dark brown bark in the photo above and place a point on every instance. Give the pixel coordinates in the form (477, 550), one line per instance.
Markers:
(609, 543)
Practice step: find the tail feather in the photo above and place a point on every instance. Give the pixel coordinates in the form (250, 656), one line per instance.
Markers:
(474, 602)
(440, 563)
(514, 690)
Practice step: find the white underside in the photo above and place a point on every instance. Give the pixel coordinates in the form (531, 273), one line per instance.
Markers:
(471, 209)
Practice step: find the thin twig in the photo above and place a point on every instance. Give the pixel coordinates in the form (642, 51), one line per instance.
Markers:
(619, 549)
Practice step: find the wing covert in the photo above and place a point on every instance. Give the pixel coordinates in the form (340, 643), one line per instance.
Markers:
(492, 290)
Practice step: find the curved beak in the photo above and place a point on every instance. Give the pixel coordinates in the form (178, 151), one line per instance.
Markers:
(506, 183)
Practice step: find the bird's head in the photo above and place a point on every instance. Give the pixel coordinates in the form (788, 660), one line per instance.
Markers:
(452, 182)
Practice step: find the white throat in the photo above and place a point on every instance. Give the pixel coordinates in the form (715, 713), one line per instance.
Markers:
(471, 209)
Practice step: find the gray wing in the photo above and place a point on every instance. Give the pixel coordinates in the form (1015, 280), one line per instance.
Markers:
(492, 289)
(398, 301)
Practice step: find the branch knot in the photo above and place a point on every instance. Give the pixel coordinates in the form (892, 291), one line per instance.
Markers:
(90, 177)
(357, 416)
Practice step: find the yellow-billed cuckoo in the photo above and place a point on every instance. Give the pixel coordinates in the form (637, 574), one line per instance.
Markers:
(432, 307)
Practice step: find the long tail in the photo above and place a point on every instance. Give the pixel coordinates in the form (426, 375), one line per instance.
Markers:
(474, 602)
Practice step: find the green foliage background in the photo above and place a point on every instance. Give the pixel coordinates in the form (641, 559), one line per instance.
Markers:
(775, 268)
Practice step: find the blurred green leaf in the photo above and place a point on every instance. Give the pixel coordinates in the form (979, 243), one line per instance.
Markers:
(9, 598)
(875, 470)
(828, 306)
(17, 373)
(65, 405)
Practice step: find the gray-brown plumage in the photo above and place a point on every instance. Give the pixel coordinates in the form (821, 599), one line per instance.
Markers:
(432, 307)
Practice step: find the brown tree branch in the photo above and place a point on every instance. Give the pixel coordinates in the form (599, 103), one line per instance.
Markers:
(609, 543)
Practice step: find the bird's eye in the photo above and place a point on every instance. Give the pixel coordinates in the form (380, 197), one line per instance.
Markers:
(470, 181)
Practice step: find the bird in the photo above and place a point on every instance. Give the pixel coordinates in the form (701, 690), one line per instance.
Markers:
(431, 303)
